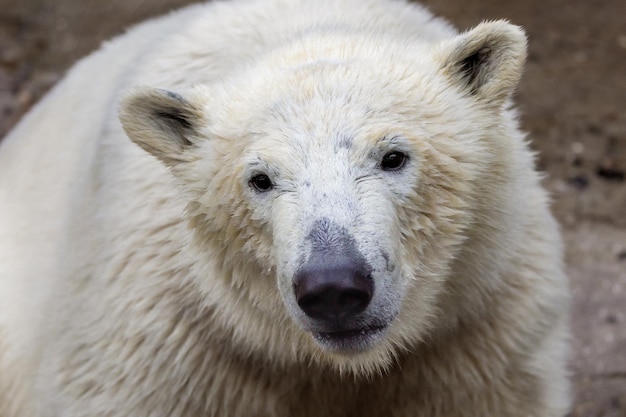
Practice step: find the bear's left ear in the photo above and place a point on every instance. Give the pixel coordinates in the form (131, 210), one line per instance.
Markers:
(486, 61)
(161, 122)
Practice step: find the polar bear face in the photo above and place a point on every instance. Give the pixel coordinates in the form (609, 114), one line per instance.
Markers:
(346, 176)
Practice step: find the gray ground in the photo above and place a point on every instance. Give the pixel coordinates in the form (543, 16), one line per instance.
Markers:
(573, 99)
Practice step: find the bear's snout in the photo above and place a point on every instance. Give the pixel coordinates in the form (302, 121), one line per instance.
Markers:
(333, 289)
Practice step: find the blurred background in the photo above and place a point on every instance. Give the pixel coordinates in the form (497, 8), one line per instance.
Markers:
(573, 104)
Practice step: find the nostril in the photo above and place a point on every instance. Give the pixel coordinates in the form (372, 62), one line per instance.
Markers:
(355, 301)
(333, 293)
(312, 305)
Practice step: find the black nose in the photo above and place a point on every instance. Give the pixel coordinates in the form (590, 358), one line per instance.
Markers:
(333, 289)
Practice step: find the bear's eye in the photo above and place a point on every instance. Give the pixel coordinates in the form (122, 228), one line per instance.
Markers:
(393, 161)
(261, 183)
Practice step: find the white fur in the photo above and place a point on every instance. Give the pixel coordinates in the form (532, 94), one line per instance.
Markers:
(154, 280)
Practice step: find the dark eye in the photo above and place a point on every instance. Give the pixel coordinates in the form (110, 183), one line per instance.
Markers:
(261, 183)
(393, 161)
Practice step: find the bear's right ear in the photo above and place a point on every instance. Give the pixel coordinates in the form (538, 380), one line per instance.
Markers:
(161, 122)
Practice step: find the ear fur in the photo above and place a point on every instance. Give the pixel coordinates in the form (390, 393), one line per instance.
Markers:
(161, 122)
(486, 61)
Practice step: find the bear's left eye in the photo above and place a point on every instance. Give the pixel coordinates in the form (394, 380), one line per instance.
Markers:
(393, 161)
(261, 183)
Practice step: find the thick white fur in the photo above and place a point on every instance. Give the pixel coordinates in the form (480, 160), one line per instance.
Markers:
(158, 283)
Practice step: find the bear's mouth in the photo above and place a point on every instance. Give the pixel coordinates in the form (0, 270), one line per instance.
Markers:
(353, 340)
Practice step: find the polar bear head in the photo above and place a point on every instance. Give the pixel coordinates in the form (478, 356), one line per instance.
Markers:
(335, 183)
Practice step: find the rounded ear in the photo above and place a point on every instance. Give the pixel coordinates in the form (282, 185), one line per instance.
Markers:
(161, 122)
(486, 61)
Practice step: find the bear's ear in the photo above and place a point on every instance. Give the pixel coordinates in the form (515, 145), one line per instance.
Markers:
(161, 122)
(486, 61)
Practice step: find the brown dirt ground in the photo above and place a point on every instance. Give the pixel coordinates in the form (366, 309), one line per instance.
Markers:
(573, 101)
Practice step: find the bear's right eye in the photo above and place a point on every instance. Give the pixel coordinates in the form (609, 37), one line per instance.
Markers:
(261, 183)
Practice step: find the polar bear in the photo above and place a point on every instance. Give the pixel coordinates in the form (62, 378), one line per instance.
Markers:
(282, 208)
